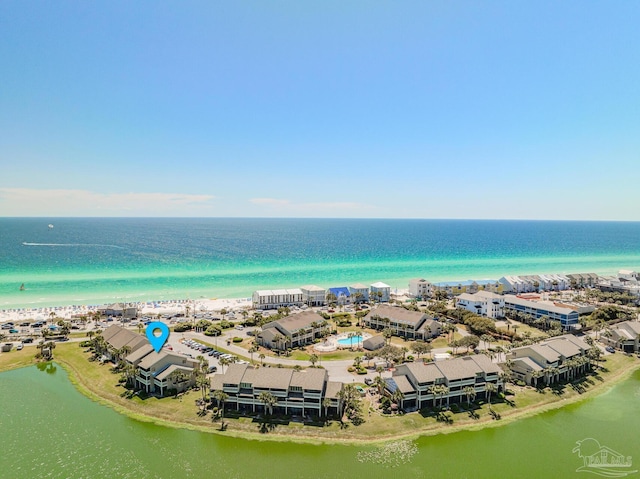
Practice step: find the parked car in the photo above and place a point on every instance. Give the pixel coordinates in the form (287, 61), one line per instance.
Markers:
(212, 369)
(610, 349)
(27, 340)
(19, 346)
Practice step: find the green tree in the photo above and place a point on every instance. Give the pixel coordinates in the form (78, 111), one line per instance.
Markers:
(313, 359)
(470, 392)
(489, 389)
(269, 400)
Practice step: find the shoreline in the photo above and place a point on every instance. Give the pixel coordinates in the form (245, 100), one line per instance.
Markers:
(84, 388)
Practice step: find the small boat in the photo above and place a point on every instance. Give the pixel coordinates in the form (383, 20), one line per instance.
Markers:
(50, 226)
(22, 287)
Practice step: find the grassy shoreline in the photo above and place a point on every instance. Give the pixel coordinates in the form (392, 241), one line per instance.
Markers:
(97, 383)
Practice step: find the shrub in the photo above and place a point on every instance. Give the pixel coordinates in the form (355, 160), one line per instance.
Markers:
(213, 330)
(362, 370)
(237, 340)
(351, 369)
(85, 344)
(182, 327)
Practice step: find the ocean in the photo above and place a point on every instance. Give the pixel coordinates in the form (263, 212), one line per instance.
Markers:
(101, 260)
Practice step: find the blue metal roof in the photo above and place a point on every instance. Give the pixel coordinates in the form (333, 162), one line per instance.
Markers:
(340, 291)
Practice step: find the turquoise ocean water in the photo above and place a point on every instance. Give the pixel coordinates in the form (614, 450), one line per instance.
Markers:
(100, 260)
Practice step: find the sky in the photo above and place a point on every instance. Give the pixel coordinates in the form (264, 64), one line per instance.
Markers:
(412, 109)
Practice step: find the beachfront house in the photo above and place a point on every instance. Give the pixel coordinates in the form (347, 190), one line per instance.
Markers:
(298, 393)
(340, 295)
(483, 303)
(402, 322)
(158, 373)
(624, 336)
(380, 292)
(277, 298)
(293, 331)
(568, 317)
(454, 288)
(313, 295)
(550, 360)
(421, 383)
(359, 293)
(420, 288)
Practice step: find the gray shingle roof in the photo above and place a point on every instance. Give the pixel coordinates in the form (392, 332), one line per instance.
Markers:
(403, 384)
(296, 321)
(459, 368)
(234, 373)
(139, 353)
(397, 314)
(333, 388)
(309, 379)
(424, 373)
(174, 367)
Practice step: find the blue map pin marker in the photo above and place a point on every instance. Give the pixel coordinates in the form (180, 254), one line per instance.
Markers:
(157, 341)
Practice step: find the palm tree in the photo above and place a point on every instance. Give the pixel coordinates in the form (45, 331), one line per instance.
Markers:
(313, 359)
(434, 391)
(489, 388)
(536, 375)
(379, 383)
(351, 335)
(326, 404)
(224, 362)
(277, 340)
(405, 350)
(261, 356)
(443, 391)
(269, 400)
(469, 391)
(397, 398)
(221, 397)
(253, 349)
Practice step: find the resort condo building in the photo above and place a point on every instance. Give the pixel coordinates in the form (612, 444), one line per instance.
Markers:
(119, 341)
(359, 293)
(550, 360)
(568, 317)
(420, 288)
(296, 392)
(380, 292)
(277, 298)
(454, 288)
(163, 371)
(624, 336)
(483, 303)
(422, 384)
(402, 322)
(313, 295)
(293, 331)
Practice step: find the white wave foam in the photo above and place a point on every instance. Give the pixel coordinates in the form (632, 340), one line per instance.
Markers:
(74, 245)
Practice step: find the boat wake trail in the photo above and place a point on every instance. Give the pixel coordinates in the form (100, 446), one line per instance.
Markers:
(93, 245)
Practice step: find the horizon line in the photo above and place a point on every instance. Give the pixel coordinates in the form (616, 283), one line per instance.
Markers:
(330, 218)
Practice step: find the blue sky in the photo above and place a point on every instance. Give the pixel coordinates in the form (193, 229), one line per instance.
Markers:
(324, 109)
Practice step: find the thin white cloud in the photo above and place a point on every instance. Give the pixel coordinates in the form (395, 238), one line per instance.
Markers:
(64, 202)
(269, 201)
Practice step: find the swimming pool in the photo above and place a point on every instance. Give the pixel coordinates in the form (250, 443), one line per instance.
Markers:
(349, 341)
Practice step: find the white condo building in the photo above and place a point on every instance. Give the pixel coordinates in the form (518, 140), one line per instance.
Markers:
(483, 303)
